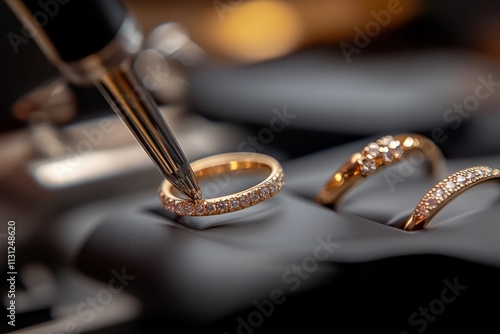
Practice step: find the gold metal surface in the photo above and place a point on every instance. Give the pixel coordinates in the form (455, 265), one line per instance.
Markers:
(353, 171)
(221, 164)
(445, 191)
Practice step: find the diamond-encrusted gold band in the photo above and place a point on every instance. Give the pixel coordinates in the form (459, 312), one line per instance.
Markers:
(373, 157)
(443, 192)
(221, 164)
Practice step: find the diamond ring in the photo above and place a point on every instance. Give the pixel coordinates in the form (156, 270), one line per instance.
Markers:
(443, 192)
(226, 164)
(375, 156)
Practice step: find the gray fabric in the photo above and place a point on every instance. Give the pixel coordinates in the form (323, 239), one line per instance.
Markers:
(187, 270)
(400, 92)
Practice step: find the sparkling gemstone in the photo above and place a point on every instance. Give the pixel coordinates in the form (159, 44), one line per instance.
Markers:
(234, 203)
(471, 176)
(245, 200)
(393, 144)
(367, 166)
(189, 209)
(272, 187)
(439, 194)
(180, 209)
(222, 206)
(386, 140)
(432, 202)
(397, 152)
(488, 170)
(254, 196)
(387, 155)
(422, 211)
(199, 209)
(371, 150)
(496, 172)
(264, 192)
(211, 208)
(450, 185)
(461, 179)
(171, 205)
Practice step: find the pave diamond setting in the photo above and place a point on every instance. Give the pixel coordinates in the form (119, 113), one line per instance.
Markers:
(385, 151)
(235, 202)
(450, 187)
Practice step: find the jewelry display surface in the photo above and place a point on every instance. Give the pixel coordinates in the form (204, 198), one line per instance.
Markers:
(382, 115)
(224, 164)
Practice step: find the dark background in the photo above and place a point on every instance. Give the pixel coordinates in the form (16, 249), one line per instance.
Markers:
(261, 56)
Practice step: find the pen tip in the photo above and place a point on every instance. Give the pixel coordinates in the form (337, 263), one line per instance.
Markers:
(186, 182)
(196, 194)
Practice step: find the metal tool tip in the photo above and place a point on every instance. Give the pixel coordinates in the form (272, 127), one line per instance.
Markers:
(187, 183)
(195, 194)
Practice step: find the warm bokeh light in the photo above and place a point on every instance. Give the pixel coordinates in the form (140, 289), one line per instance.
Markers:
(253, 31)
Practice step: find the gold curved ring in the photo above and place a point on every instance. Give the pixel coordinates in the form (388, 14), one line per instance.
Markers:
(221, 164)
(373, 157)
(446, 190)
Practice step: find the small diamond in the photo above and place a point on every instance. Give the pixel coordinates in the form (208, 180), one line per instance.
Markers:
(450, 185)
(272, 187)
(199, 209)
(432, 202)
(244, 200)
(471, 176)
(171, 205)
(439, 194)
(386, 140)
(397, 152)
(367, 166)
(180, 209)
(189, 209)
(386, 154)
(488, 170)
(496, 172)
(234, 203)
(222, 206)
(254, 196)
(394, 144)
(461, 179)
(371, 151)
(264, 192)
(422, 211)
(211, 208)
(479, 172)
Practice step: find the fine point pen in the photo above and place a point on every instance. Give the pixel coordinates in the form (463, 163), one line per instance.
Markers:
(93, 42)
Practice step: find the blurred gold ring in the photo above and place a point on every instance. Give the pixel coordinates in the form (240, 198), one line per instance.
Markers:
(446, 190)
(221, 164)
(373, 157)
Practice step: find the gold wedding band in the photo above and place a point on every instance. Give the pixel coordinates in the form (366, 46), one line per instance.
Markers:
(373, 157)
(222, 164)
(445, 191)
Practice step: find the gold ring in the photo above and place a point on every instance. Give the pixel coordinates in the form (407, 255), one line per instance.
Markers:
(373, 157)
(446, 190)
(222, 164)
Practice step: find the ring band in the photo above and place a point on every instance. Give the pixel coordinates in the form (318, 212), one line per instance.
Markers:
(446, 190)
(374, 156)
(221, 164)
